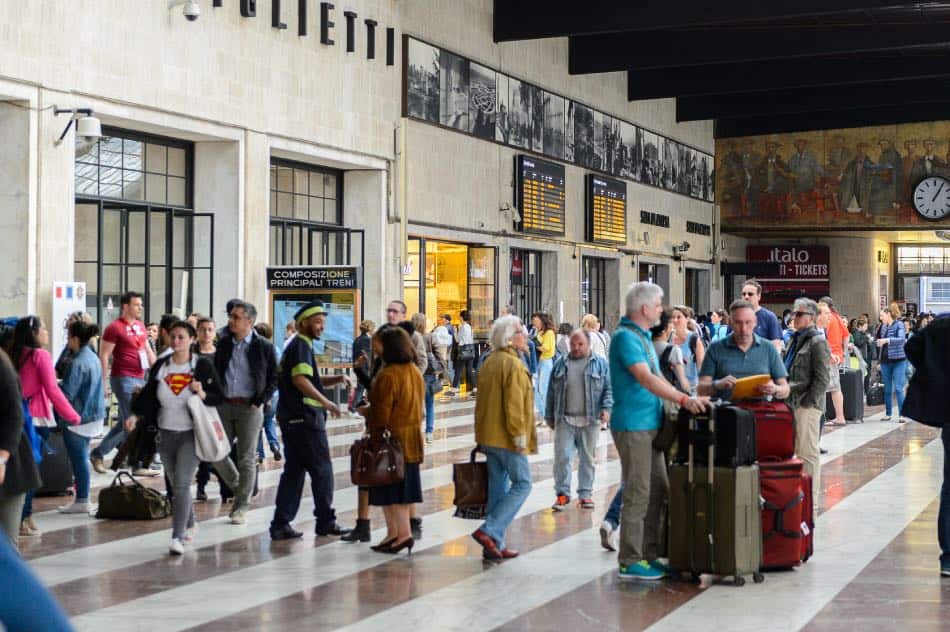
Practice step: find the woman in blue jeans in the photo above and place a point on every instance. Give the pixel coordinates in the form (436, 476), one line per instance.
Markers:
(82, 386)
(890, 339)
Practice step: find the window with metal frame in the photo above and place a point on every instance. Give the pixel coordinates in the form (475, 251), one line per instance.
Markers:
(525, 285)
(135, 229)
(594, 286)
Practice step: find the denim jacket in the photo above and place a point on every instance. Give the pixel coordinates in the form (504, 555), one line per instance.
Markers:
(599, 393)
(82, 386)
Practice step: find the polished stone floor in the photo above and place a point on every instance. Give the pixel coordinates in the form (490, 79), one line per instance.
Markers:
(875, 565)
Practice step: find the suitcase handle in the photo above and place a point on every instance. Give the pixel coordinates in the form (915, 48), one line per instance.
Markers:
(778, 526)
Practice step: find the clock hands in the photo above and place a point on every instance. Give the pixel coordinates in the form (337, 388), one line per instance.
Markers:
(939, 189)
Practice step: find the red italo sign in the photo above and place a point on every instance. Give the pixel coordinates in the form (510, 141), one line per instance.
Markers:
(802, 271)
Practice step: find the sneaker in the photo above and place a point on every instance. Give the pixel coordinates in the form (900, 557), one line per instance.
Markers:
(176, 547)
(609, 536)
(886, 418)
(238, 516)
(98, 464)
(428, 438)
(901, 420)
(944, 571)
(561, 502)
(641, 571)
(76, 508)
(660, 567)
(275, 450)
(585, 503)
(145, 471)
(201, 495)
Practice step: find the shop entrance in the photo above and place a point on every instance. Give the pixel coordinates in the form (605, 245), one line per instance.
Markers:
(442, 277)
(923, 278)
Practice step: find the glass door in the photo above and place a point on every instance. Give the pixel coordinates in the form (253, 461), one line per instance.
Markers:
(482, 281)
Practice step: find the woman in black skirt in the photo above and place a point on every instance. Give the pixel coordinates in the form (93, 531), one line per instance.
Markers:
(396, 404)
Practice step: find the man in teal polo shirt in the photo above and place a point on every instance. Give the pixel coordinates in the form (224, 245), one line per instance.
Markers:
(635, 419)
(742, 354)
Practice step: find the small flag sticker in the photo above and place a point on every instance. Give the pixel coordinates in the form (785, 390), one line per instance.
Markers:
(59, 291)
(69, 291)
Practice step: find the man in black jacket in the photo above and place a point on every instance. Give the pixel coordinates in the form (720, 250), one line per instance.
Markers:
(926, 402)
(247, 365)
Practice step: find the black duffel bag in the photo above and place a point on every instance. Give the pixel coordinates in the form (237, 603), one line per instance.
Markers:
(132, 501)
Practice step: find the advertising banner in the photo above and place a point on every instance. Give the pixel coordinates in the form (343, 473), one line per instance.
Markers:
(67, 298)
(802, 271)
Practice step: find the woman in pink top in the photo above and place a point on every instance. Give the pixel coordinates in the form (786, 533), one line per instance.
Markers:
(38, 384)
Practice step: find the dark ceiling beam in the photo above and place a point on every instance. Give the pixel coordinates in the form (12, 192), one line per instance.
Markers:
(533, 19)
(672, 49)
(783, 74)
(832, 119)
(750, 104)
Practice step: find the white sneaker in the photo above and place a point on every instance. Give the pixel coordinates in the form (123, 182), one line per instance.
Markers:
(144, 471)
(176, 547)
(238, 516)
(609, 536)
(428, 438)
(76, 508)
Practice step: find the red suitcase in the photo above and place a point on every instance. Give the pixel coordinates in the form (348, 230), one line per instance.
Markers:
(782, 513)
(808, 518)
(774, 428)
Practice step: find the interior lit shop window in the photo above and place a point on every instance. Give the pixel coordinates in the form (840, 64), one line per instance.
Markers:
(136, 229)
(306, 210)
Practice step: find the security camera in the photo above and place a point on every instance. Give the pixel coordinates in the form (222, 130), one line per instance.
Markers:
(191, 11)
(684, 246)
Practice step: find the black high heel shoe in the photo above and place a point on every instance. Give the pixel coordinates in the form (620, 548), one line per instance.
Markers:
(383, 547)
(408, 543)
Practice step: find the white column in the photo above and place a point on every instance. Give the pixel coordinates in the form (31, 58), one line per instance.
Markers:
(16, 282)
(255, 240)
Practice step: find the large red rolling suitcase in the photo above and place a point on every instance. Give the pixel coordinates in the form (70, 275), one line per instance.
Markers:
(782, 513)
(808, 518)
(774, 428)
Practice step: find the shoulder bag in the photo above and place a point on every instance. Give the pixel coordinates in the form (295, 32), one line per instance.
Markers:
(376, 461)
(211, 441)
(131, 502)
(471, 488)
(666, 435)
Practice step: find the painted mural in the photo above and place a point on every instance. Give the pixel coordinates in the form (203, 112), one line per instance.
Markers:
(859, 177)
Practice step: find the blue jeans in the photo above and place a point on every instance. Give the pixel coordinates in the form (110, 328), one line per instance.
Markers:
(509, 484)
(569, 439)
(30, 606)
(894, 376)
(122, 387)
(270, 429)
(77, 447)
(613, 512)
(430, 404)
(541, 388)
(943, 518)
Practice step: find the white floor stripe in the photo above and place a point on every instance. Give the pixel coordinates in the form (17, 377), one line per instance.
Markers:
(101, 558)
(203, 601)
(854, 436)
(848, 538)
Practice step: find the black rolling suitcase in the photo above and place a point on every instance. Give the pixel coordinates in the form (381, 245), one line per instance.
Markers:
(852, 387)
(734, 435)
(56, 471)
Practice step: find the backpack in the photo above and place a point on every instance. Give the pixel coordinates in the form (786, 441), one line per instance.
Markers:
(666, 370)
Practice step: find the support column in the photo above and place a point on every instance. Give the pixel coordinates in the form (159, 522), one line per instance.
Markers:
(17, 282)
(254, 244)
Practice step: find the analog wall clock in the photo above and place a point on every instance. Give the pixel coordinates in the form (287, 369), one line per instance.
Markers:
(932, 198)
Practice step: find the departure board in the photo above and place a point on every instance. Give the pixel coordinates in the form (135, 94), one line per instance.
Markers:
(539, 195)
(606, 210)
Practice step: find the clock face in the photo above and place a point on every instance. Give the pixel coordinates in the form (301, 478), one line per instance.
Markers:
(932, 197)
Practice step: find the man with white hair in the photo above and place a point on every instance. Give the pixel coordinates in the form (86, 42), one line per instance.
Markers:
(638, 391)
(807, 360)
(579, 398)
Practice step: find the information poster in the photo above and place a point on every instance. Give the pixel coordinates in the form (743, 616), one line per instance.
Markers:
(67, 299)
(338, 287)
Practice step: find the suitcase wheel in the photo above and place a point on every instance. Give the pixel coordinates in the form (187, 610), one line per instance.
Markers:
(758, 578)
(740, 580)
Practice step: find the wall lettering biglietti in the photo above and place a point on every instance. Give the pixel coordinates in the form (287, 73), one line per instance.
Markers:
(248, 9)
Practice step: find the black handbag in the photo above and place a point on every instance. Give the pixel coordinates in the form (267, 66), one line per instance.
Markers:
(466, 352)
(132, 501)
(471, 488)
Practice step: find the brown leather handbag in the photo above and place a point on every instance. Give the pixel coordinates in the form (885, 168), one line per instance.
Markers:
(377, 460)
(471, 488)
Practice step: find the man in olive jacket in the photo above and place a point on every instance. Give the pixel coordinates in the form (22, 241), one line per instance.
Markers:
(504, 431)
(926, 402)
(807, 359)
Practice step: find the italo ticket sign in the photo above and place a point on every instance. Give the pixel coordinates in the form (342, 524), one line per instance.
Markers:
(802, 272)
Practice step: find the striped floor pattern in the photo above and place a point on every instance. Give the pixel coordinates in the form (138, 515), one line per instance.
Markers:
(875, 565)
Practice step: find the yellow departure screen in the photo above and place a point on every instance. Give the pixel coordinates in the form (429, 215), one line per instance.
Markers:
(540, 195)
(606, 210)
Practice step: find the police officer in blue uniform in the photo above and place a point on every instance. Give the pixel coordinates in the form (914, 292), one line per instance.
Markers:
(302, 409)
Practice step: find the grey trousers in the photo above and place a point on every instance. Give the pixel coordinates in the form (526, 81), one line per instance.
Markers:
(11, 512)
(181, 464)
(645, 489)
(242, 423)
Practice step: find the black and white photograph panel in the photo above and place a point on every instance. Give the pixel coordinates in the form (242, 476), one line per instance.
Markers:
(683, 176)
(537, 117)
(583, 135)
(482, 99)
(650, 166)
(613, 140)
(453, 91)
(553, 129)
(710, 188)
(668, 164)
(599, 157)
(422, 85)
(502, 108)
(629, 137)
(520, 113)
(570, 111)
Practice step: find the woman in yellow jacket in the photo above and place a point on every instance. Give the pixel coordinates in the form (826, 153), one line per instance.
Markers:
(504, 431)
(545, 340)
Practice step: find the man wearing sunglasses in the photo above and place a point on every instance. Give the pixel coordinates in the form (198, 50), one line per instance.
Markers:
(767, 325)
(807, 360)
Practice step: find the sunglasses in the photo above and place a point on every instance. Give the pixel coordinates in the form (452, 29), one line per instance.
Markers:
(748, 294)
(797, 314)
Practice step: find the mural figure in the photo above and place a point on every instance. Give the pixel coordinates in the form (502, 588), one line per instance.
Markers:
(804, 172)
